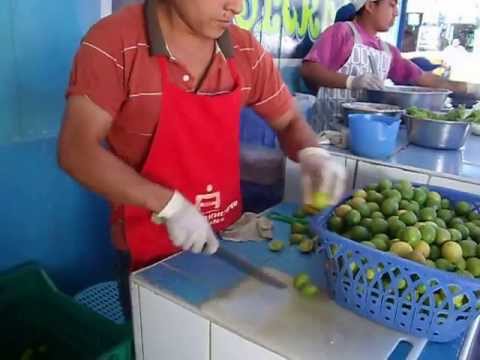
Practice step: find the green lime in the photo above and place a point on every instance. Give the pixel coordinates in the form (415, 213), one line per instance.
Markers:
(404, 184)
(364, 210)
(461, 264)
(416, 256)
(373, 196)
(401, 249)
(383, 237)
(395, 227)
(434, 252)
(456, 221)
(430, 263)
(451, 251)
(392, 194)
(360, 233)
(343, 210)
(463, 208)
(309, 290)
(455, 234)
(407, 194)
(380, 244)
(296, 239)
(427, 214)
(335, 224)
(445, 204)
(306, 246)
(301, 280)
(276, 245)
(360, 193)
(384, 184)
(353, 218)
(443, 235)
(411, 235)
(408, 218)
(373, 206)
(414, 206)
(440, 223)
(370, 274)
(347, 234)
(371, 187)
(377, 215)
(379, 226)
(473, 216)
(476, 222)
(404, 204)
(428, 232)
(463, 229)
(434, 199)
(420, 196)
(473, 266)
(423, 248)
(299, 228)
(471, 227)
(444, 264)
(465, 273)
(469, 248)
(357, 201)
(445, 214)
(366, 223)
(369, 244)
(390, 207)
(475, 233)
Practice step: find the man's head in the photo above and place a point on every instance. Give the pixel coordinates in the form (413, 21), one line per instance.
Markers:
(380, 13)
(206, 18)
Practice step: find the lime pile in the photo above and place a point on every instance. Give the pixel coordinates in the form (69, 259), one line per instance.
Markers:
(413, 223)
(304, 285)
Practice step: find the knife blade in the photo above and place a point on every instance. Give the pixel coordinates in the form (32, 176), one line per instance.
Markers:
(246, 267)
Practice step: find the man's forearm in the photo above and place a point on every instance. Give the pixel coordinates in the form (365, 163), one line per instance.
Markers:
(317, 76)
(104, 173)
(296, 136)
(434, 81)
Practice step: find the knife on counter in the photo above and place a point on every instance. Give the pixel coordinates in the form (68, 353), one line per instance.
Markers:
(248, 268)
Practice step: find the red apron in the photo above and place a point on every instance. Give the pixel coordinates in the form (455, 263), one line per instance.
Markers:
(195, 150)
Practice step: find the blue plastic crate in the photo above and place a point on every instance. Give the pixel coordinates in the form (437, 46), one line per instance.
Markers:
(367, 280)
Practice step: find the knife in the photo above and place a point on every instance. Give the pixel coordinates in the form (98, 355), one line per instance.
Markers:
(246, 267)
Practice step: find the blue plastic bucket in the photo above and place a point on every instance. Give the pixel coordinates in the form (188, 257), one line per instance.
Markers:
(373, 136)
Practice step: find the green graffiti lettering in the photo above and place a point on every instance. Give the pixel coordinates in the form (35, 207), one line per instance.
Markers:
(249, 15)
(290, 18)
(271, 21)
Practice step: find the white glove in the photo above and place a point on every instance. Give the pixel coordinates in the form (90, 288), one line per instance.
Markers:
(320, 173)
(187, 227)
(366, 81)
(473, 89)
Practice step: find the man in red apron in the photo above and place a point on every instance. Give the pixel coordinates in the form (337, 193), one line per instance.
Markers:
(163, 83)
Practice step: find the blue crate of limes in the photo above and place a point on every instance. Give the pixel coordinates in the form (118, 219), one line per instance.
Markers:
(406, 256)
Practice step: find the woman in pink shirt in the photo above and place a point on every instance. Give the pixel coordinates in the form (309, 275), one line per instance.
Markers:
(349, 58)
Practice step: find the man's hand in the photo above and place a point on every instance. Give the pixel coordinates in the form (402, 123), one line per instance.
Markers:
(367, 81)
(187, 227)
(320, 174)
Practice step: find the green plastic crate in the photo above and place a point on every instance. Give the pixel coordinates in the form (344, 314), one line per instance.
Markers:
(39, 322)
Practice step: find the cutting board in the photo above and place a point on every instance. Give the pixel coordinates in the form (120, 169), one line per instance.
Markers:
(295, 327)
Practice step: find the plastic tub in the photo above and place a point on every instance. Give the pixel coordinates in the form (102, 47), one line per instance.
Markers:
(40, 322)
(373, 136)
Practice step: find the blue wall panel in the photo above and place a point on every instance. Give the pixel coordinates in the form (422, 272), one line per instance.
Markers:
(45, 216)
(45, 36)
(8, 85)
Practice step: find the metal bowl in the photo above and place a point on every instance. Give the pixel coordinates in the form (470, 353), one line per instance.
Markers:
(407, 96)
(437, 134)
(370, 108)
